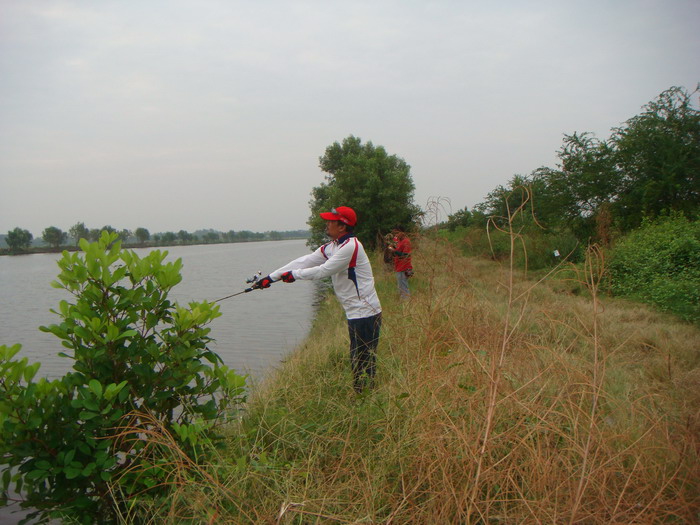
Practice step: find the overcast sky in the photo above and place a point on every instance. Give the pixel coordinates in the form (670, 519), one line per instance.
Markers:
(186, 114)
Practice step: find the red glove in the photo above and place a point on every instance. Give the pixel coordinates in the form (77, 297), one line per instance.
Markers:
(287, 277)
(265, 282)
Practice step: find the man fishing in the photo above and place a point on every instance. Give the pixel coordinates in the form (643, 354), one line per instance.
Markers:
(344, 260)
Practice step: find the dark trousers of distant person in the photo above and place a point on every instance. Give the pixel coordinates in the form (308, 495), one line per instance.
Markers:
(364, 338)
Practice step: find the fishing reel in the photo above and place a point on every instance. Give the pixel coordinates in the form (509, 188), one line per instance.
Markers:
(255, 278)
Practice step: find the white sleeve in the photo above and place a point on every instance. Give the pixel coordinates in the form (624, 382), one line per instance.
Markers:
(338, 262)
(305, 261)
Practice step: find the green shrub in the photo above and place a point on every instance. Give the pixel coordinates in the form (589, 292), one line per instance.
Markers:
(141, 364)
(660, 264)
(539, 245)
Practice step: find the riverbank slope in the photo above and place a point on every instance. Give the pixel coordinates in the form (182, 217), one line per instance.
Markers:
(498, 400)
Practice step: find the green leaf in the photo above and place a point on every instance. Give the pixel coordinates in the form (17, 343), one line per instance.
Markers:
(127, 333)
(11, 351)
(72, 473)
(91, 404)
(89, 469)
(123, 394)
(96, 388)
(36, 474)
(112, 390)
(31, 371)
(43, 465)
(6, 476)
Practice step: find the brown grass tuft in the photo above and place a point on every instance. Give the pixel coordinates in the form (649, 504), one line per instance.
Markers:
(499, 400)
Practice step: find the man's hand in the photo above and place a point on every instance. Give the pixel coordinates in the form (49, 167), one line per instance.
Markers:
(265, 282)
(287, 277)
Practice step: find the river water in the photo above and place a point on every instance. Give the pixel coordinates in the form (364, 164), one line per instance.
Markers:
(254, 333)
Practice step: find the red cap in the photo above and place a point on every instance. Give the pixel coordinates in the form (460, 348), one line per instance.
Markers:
(342, 214)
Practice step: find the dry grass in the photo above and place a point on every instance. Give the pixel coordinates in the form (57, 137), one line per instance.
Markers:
(499, 400)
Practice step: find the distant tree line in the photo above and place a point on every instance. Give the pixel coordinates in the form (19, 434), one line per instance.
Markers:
(649, 167)
(635, 194)
(20, 240)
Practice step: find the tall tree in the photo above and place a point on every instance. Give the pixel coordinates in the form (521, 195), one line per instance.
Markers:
(587, 181)
(79, 231)
(588, 176)
(169, 237)
(658, 153)
(18, 239)
(378, 186)
(504, 200)
(184, 236)
(94, 234)
(460, 218)
(142, 234)
(212, 237)
(54, 236)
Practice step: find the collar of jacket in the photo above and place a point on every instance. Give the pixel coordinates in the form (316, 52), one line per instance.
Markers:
(341, 240)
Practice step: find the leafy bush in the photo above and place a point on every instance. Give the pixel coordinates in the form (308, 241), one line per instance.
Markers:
(660, 265)
(139, 361)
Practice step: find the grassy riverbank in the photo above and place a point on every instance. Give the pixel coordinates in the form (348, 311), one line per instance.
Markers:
(499, 400)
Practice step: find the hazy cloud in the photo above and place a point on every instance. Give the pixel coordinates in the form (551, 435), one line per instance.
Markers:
(183, 115)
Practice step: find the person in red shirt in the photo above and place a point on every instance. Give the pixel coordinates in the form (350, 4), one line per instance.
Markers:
(401, 250)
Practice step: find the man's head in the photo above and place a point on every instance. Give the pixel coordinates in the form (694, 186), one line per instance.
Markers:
(398, 231)
(339, 221)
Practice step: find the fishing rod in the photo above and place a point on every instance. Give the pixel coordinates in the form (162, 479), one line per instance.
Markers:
(255, 285)
(235, 294)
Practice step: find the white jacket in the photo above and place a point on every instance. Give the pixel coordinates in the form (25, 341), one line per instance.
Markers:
(339, 260)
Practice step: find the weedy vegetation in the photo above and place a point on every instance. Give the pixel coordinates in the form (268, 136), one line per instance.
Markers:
(500, 399)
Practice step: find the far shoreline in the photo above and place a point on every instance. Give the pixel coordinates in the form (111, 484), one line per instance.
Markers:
(130, 246)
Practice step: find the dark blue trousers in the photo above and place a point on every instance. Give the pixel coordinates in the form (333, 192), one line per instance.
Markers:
(364, 338)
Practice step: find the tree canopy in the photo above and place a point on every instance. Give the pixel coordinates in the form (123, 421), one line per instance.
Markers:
(378, 186)
(18, 239)
(658, 155)
(142, 234)
(649, 167)
(54, 236)
(79, 231)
